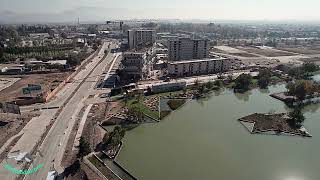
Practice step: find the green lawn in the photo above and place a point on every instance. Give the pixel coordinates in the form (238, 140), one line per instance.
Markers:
(176, 103)
(139, 104)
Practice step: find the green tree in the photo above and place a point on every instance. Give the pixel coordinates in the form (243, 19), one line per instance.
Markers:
(243, 81)
(300, 90)
(297, 117)
(84, 148)
(135, 114)
(218, 83)
(209, 85)
(264, 78)
(291, 88)
(310, 67)
(114, 138)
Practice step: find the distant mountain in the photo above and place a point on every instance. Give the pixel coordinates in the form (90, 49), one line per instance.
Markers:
(86, 14)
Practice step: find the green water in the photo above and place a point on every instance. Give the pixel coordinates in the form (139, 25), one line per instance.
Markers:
(204, 141)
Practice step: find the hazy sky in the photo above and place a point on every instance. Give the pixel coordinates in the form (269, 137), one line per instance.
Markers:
(183, 9)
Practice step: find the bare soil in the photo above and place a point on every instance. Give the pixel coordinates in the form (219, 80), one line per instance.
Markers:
(266, 52)
(241, 54)
(48, 82)
(305, 50)
(12, 124)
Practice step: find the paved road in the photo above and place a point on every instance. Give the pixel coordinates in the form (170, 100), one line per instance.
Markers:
(55, 142)
(54, 145)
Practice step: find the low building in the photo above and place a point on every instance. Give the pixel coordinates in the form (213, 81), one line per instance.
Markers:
(167, 87)
(59, 62)
(198, 67)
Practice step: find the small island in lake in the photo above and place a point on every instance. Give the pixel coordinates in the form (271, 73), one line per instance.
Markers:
(274, 124)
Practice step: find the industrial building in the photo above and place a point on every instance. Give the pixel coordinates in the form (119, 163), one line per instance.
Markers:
(140, 38)
(198, 67)
(181, 49)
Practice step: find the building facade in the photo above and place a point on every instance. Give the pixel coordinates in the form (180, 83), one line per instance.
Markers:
(140, 38)
(181, 49)
(133, 64)
(198, 67)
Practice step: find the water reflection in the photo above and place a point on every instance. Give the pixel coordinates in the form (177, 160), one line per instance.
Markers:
(243, 96)
(316, 78)
(311, 108)
(264, 91)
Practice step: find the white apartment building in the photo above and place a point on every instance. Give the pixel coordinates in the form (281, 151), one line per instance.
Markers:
(181, 49)
(140, 38)
(198, 67)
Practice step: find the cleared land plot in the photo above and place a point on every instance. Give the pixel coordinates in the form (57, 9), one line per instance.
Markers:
(241, 54)
(12, 124)
(311, 59)
(229, 49)
(7, 82)
(266, 52)
(47, 81)
(307, 50)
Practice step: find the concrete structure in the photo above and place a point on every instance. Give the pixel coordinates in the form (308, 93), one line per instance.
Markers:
(140, 38)
(198, 67)
(160, 88)
(133, 64)
(187, 49)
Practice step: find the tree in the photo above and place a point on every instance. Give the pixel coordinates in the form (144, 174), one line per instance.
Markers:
(230, 78)
(114, 138)
(297, 117)
(243, 81)
(264, 78)
(84, 148)
(201, 88)
(135, 114)
(209, 85)
(95, 46)
(184, 90)
(310, 67)
(291, 88)
(218, 83)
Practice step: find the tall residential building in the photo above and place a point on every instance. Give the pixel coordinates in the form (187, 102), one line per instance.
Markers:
(140, 38)
(133, 64)
(186, 49)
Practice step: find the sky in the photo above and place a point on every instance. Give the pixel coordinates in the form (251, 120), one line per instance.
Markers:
(99, 10)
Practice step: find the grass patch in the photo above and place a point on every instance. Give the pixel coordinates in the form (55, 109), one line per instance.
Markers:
(176, 103)
(164, 114)
(172, 93)
(138, 104)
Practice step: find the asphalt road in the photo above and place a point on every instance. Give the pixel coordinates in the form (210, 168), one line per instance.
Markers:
(54, 145)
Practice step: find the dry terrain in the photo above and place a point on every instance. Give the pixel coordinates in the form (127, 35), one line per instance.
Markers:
(241, 54)
(47, 81)
(304, 50)
(267, 52)
(12, 124)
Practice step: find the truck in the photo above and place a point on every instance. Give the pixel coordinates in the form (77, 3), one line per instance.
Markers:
(52, 175)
